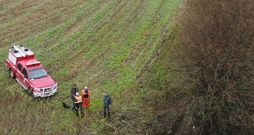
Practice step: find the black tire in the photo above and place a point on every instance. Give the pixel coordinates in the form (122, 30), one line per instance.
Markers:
(12, 74)
(30, 91)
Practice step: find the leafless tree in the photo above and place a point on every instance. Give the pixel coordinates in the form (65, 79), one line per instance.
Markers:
(217, 51)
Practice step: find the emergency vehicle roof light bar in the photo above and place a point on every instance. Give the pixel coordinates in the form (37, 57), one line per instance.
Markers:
(32, 63)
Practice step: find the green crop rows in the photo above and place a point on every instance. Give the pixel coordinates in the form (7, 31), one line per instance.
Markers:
(99, 43)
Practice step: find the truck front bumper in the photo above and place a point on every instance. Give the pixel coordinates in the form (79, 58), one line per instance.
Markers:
(46, 94)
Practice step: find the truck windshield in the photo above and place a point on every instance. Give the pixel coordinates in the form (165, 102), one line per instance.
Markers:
(37, 73)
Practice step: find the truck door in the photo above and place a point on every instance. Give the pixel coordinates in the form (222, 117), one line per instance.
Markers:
(19, 74)
(25, 78)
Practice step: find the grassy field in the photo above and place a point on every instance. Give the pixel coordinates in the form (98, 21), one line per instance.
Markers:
(103, 44)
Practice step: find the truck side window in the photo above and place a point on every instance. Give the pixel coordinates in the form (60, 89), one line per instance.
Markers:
(19, 67)
(24, 72)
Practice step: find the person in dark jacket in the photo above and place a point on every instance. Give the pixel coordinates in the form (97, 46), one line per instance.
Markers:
(107, 101)
(74, 90)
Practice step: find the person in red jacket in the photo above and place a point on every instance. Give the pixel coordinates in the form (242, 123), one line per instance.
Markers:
(86, 97)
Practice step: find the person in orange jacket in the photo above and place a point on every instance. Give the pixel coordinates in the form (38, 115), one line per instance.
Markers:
(78, 103)
(86, 97)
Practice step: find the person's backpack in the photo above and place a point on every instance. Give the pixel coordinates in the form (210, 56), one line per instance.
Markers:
(86, 94)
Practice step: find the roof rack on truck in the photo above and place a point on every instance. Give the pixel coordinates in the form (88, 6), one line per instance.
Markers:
(18, 52)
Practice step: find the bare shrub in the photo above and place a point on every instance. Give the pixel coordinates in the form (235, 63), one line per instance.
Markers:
(217, 51)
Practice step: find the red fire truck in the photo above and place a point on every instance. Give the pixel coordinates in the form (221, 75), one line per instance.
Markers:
(29, 72)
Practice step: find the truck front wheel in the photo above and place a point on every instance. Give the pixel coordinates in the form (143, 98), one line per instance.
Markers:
(30, 91)
(12, 74)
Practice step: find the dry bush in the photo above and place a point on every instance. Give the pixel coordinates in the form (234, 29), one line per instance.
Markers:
(217, 51)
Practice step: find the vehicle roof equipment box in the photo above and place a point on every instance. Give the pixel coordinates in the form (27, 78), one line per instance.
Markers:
(19, 52)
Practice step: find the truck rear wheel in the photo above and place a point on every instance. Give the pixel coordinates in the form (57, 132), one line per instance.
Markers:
(12, 74)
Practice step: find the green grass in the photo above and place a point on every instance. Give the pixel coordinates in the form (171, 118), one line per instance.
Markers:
(107, 44)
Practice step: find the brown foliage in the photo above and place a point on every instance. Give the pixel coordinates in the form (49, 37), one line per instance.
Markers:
(217, 51)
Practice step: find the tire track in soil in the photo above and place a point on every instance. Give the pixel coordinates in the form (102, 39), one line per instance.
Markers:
(68, 32)
(165, 33)
(69, 59)
(18, 5)
(37, 17)
(53, 40)
(129, 19)
(57, 59)
(38, 27)
(23, 14)
(130, 24)
(138, 50)
(19, 9)
(4, 44)
(138, 9)
(12, 22)
(133, 15)
(77, 56)
(72, 28)
(126, 27)
(112, 20)
(110, 15)
(5, 2)
(86, 18)
(118, 7)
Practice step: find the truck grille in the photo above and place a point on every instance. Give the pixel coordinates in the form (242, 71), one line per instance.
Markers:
(47, 89)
